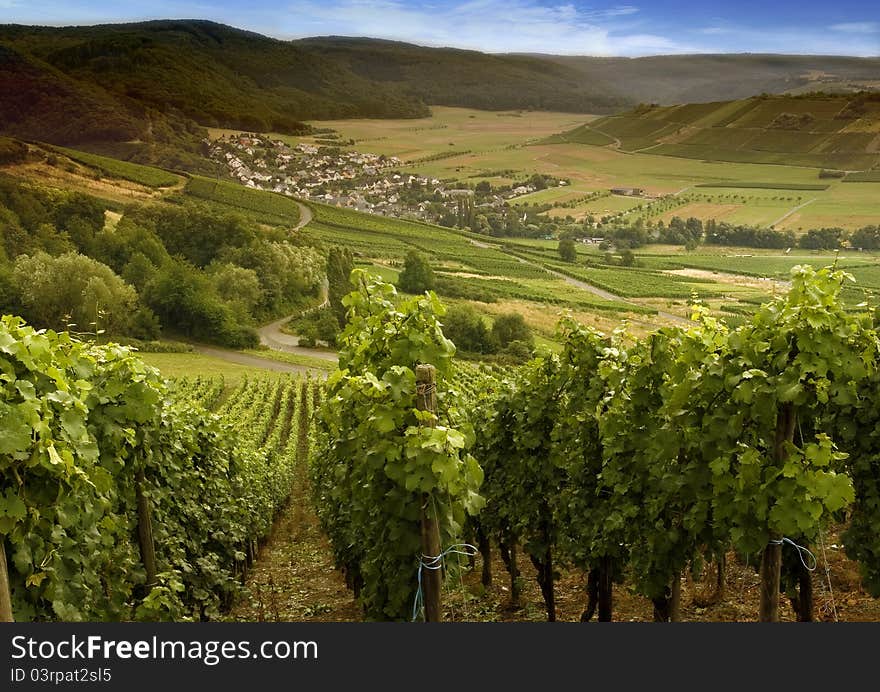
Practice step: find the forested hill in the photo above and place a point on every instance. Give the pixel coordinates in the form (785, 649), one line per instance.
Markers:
(145, 91)
(470, 79)
(152, 82)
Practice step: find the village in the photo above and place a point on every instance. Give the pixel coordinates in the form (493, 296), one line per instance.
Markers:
(366, 182)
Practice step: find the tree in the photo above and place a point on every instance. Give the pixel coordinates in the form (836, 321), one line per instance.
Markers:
(467, 330)
(186, 300)
(91, 295)
(417, 275)
(511, 327)
(238, 287)
(822, 239)
(866, 238)
(328, 327)
(340, 264)
(567, 250)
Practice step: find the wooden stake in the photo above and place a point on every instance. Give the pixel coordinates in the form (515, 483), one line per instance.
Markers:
(606, 588)
(145, 531)
(675, 600)
(771, 559)
(5, 588)
(426, 395)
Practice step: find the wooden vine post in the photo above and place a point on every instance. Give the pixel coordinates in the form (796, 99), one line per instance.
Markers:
(771, 560)
(5, 589)
(426, 395)
(145, 530)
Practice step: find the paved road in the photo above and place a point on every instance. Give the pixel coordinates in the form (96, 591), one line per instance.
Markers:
(272, 336)
(305, 216)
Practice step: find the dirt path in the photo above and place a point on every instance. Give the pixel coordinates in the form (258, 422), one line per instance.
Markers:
(583, 285)
(596, 291)
(792, 211)
(293, 578)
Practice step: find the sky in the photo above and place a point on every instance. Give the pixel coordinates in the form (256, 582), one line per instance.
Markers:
(571, 27)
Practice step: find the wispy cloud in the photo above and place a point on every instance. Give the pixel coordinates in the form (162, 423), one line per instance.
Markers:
(498, 26)
(857, 27)
(584, 27)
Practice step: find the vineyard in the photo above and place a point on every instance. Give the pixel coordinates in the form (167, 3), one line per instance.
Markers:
(618, 461)
(621, 459)
(260, 204)
(136, 173)
(129, 498)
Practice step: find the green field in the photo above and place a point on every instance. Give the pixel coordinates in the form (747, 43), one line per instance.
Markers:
(863, 177)
(512, 146)
(135, 172)
(197, 365)
(266, 205)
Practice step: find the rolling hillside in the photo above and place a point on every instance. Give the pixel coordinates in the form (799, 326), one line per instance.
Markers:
(145, 91)
(838, 132)
(671, 79)
(142, 91)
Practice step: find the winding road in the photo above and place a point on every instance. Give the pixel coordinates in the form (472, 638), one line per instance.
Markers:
(305, 216)
(272, 336)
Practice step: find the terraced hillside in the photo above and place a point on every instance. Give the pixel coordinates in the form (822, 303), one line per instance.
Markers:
(825, 131)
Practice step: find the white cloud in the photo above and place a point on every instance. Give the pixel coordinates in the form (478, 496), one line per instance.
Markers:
(495, 26)
(857, 27)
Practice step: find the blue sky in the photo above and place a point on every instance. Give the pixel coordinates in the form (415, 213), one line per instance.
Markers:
(840, 27)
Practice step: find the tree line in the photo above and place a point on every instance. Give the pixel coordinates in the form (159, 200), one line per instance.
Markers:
(147, 269)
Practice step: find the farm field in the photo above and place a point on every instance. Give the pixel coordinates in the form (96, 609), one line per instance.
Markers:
(849, 205)
(551, 195)
(176, 365)
(134, 172)
(515, 151)
(449, 129)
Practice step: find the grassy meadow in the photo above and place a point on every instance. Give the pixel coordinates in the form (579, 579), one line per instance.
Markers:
(469, 145)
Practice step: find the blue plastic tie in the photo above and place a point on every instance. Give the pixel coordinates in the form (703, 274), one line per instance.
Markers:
(435, 562)
(801, 552)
